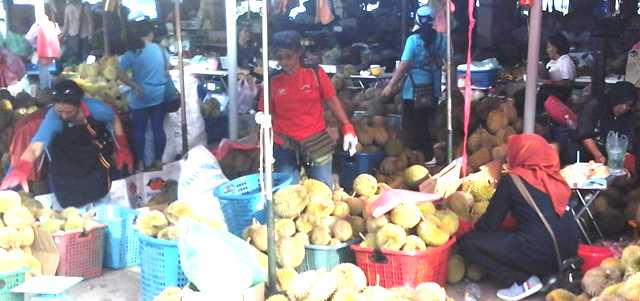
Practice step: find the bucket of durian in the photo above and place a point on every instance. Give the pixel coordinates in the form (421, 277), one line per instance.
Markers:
(81, 252)
(9, 280)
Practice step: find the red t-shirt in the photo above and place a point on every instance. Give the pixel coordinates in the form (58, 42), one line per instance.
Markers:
(297, 102)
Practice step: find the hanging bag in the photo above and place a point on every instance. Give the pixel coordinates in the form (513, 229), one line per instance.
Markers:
(172, 100)
(569, 275)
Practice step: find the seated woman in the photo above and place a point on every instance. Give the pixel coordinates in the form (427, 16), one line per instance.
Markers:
(597, 118)
(521, 257)
(560, 71)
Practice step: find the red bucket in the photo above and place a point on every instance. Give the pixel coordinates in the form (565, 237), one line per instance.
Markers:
(593, 255)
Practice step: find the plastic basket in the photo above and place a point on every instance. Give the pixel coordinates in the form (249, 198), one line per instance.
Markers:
(159, 266)
(395, 268)
(7, 282)
(241, 202)
(121, 244)
(80, 252)
(351, 167)
(464, 227)
(481, 79)
(327, 257)
(592, 256)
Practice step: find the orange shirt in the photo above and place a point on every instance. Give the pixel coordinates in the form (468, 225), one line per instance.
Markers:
(297, 102)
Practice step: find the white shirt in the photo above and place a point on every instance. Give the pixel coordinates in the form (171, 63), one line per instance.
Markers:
(562, 68)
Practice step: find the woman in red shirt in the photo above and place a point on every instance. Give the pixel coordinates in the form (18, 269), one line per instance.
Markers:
(297, 97)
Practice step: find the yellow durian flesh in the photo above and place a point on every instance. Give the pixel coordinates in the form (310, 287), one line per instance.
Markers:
(427, 208)
(285, 278)
(290, 201)
(52, 225)
(414, 243)
(406, 215)
(449, 221)
(391, 237)
(9, 238)
(320, 235)
(169, 233)
(304, 223)
(341, 209)
(9, 199)
(289, 252)
(257, 235)
(150, 223)
(342, 230)
(320, 207)
(177, 210)
(350, 277)
(365, 185)
(26, 236)
(18, 217)
(431, 234)
(284, 227)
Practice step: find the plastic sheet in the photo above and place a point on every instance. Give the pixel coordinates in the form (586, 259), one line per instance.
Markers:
(12, 68)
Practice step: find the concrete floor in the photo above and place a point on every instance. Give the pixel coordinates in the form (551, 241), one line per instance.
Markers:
(124, 285)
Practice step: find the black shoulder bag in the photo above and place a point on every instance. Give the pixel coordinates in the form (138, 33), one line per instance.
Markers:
(569, 275)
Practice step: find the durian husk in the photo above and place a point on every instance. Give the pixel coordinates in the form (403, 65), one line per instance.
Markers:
(455, 269)
(391, 237)
(560, 295)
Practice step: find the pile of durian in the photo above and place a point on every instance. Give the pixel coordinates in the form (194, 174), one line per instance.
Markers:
(163, 223)
(408, 227)
(472, 201)
(68, 220)
(17, 234)
(100, 80)
(616, 279)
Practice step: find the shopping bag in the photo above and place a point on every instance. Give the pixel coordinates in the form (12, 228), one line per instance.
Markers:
(560, 113)
(25, 128)
(12, 68)
(48, 45)
(632, 73)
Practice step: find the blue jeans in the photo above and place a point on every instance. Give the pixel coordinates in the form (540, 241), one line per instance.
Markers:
(287, 162)
(139, 121)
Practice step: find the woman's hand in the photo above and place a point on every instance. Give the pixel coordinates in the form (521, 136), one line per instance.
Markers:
(388, 90)
(601, 159)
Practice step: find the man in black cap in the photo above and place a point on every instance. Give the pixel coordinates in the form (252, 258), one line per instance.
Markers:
(77, 135)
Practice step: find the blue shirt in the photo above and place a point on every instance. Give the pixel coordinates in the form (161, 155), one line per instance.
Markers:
(421, 71)
(52, 124)
(149, 71)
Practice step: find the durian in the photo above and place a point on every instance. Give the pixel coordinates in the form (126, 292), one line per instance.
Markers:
(320, 236)
(177, 210)
(290, 252)
(341, 209)
(415, 174)
(18, 217)
(475, 272)
(284, 227)
(73, 223)
(461, 202)
(169, 233)
(325, 285)
(70, 211)
(373, 224)
(320, 207)
(414, 243)
(304, 223)
(169, 294)
(302, 238)
(406, 215)
(481, 190)
(257, 235)
(365, 185)
(9, 238)
(52, 225)
(152, 222)
(631, 288)
(26, 236)
(357, 225)
(391, 237)
(317, 189)
(427, 208)
(429, 291)
(350, 277)
(449, 221)
(9, 199)
(369, 241)
(597, 279)
(342, 230)
(278, 297)
(356, 205)
(478, 209)
(431, 234)
(455, 269)
(285, 278)
(560, 295)
(290, 201)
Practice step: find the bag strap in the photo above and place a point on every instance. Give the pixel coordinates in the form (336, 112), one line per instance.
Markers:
(525, 193)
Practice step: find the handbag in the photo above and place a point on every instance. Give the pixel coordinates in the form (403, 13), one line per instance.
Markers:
(172, 100)
(569, 275)
(422, 94)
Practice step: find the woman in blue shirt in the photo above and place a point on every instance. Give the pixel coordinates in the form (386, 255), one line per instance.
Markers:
(148, 62)
(422, 59)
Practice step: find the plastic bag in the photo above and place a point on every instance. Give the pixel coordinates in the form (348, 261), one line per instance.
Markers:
(25, 128)
(560, 113)
(48, 45)
(221, 265)
(17, 44)
(247, 92)
(12, 68)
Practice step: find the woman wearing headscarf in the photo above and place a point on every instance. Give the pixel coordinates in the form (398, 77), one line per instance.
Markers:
(520, 257)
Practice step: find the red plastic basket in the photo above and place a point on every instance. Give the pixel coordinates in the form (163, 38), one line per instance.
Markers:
(593, 255)
(80, 253)
(394, 268)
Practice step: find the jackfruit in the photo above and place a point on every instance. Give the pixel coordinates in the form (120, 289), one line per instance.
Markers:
(152, 222)
(341, 209)
(415, 174)
(73, 223)
(177, 210)
(560, 295)
(350, 277)
(414, 243)
(391, 237)
(449, 221)
(431, 234)
(406, 215)
(357, 225)
(9, 199)
(365, 185)
(169, 233)
(52, 225)
(285, 278)
(289, 252)
(9, 238)
(320, 235)
(18, 217)
(342, 230)
(455, 269)
(257, 235)
(304, 223)
(284, 227)
(290, 201)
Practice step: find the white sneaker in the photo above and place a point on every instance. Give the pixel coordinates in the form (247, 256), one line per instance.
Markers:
(520, 291)
(432, 162)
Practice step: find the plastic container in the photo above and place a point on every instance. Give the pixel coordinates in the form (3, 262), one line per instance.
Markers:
(81, 253)
(121, 244)
(481, 79)
(395, 268)
(593, 255)
(241, 202)
(159, 266)
(351, 167)
(316, 257)
(7, 282)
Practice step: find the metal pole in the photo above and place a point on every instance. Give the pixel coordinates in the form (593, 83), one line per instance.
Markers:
(532, 67)
(449, 86)
(183, 103)
(403, 21)
(232, 56)
(105, 32)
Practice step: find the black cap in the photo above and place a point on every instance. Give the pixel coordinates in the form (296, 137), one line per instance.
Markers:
(67, 91)
(286, 40)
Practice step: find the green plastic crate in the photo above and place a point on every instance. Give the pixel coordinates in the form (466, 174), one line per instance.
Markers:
(327, 257)
(7, 282)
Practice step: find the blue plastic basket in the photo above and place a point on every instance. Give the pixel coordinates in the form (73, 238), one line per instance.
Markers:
(7, 282)
(241, 202)
(327, 257)
(351, 167)
(159, 266)
(481, 79)
(121, 245)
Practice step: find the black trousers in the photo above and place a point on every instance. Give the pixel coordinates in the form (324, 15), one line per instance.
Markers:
(415, 128)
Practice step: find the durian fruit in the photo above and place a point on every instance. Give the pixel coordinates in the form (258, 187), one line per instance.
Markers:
(373, 224)
(347, 295)
(350, 277)
(73, 223)
(323, 288)
(406, 215)
(177, 210)
(317, 189)
(431, 234)
(26, 236)
(429, 291)
(9, 199)
(427, 208)
(612, 263)
(369, 241)
(70, 211)
(630, 253)
(169, 294)
(475, 272)
(415, 174)
(455, 269)
(32, 264)
(290, 201)
(302, 284)
(481, 190)
(357, 225)
(633, 267)
(356, 205)
(478, 209)
(341, 209)
(391, 237)
(302, 238)
(339, 195)
(583, 297)
(413, 244)
(377, 293)
(449, 221)
(461, 202)
(631, 288)
(560, 295)
(304, 223)
(328, 222)
(365, 185)
(278, 297)
(12, 260)
(150, 223)
(52, 225)
(9, 238)
(257, 235)
(342, 230)
(169, 233)
(320, 207)
(285, 278)
(290, 252)
(479, 158)
(18, 217)
(597, 279)
(496, 120)
(320, 236)
(612, 289)
(284, 227)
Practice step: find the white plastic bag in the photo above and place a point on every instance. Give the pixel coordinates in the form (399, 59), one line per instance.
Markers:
(222, 266)
(247, 92)
(200, 174)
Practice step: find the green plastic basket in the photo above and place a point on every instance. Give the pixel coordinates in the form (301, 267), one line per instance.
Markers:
(7, 282)
(326, 257)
